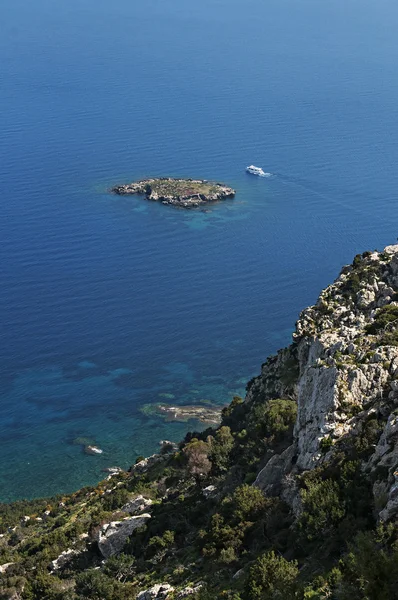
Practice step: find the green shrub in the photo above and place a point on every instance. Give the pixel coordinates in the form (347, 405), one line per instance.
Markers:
(248, 503)
(272, 578)
(233, 415)
(322, 508)
(96, 585)
(325, 444)
(116, 499)
(370, 570)
(228, 555)
(275, 418)
(385, 316)
(158, 543)
(121, 567)
(221, 446)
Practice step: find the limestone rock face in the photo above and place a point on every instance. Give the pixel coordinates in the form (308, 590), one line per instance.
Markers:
(317, 403)
(383, 465)
(112, 536)
(270, 478)
(160, 591)
(341, 376)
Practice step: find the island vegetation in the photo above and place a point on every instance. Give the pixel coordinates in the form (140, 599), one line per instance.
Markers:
(183, 193)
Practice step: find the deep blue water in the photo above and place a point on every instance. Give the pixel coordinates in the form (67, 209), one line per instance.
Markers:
(106, 302)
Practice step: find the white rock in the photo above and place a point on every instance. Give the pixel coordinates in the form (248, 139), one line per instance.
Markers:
(366, 297)
(136, 505)
(62, 559)
(189, 591)
(238, 574)
(112, 536)
(4, 567)
(209, 491)
(160, 591)
(269, 479)
(393, 249)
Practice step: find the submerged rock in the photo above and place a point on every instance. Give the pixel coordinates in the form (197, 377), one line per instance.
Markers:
(208, 414)
(93, 450)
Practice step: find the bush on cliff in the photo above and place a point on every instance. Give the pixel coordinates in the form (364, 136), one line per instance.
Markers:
(386, 316)
(275, 418)
(272, 578)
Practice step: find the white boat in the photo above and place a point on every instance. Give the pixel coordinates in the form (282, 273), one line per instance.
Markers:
(256, 171)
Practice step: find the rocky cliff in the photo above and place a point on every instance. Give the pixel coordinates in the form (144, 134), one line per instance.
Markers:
(294, 495)
(347, 360)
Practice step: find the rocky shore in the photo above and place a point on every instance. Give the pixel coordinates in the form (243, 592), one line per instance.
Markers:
(182, 193)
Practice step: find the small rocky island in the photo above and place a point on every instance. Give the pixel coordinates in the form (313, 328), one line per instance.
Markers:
(183, 193)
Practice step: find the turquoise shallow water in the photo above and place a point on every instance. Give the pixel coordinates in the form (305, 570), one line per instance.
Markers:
(107, 303)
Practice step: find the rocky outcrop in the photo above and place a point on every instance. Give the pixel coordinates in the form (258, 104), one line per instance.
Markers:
(346, 372)
(189, 591)
(168, 447)
(146, 463)
(136, 505)
(270, 478)
(160, 591)
(210, 491)
(112, 536)
(63, 559)
(183, 193)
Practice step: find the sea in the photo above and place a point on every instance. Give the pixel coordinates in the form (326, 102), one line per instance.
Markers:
(109, 304)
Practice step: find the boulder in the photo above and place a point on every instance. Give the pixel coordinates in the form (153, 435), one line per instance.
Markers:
(270, 478)
(209, 491)
(143, 465)
(62, 559)
(167, 447)
(189, 591)
(112, 536)
(136, 505)
(4, 567)
(160, 591)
